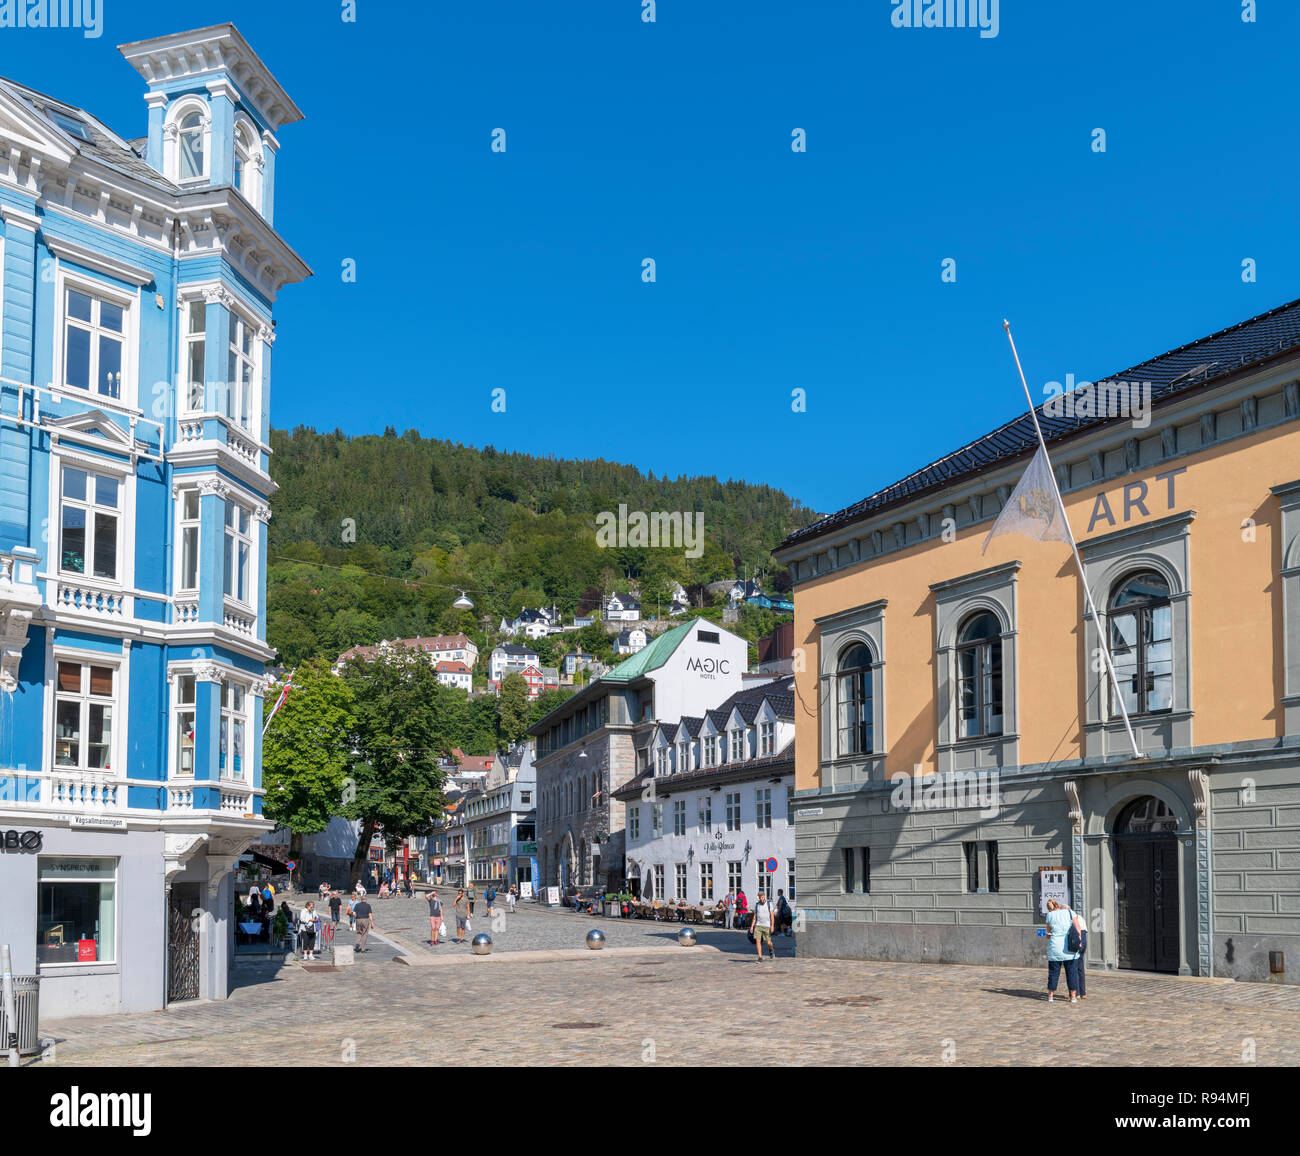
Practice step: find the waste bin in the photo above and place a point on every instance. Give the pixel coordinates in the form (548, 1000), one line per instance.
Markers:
(26, 995)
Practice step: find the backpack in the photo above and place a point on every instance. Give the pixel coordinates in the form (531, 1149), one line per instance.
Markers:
(1076, 939)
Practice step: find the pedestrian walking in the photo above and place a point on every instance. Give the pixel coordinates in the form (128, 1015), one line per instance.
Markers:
(469, 896)
(307, 931)
(1082, 929)
(762, 926)
(365, 923)
(435, 918)
(1059, 921)
(461, 907)
(730, 903)
(491, 897)
(336, 908)
(784, 914)
(512, 898)
(352, 913)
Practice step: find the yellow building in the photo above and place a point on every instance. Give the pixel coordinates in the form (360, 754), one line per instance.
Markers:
(957, 733)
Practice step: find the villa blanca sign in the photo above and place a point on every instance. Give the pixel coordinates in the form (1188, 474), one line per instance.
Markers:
(718, 844)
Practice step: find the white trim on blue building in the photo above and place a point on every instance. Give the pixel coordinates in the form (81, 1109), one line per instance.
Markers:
(135, 351)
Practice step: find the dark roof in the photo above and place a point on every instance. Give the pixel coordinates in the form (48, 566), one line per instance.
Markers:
(1181, 371)
(104, 145)
(517, 650)
(629, 601)
(782, 763)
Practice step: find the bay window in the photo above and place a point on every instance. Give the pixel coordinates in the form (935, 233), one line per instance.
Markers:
(183, 726)
(88, 524)
(233, 726)
(195, 353)
(238, 552)
(241, 372)
(84, 697)
(189, 540)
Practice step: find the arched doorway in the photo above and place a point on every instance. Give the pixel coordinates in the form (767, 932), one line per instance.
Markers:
(1146, 886)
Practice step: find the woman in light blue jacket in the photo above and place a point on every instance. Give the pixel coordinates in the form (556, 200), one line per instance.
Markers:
(1059, 920)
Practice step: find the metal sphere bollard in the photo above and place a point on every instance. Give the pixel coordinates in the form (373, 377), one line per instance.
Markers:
(481, 944)
(686, 937)
(595, 939)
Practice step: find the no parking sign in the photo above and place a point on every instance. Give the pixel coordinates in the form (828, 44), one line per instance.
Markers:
(771, 866)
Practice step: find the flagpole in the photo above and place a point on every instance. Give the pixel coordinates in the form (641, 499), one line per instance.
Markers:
(1083, 577)
(284, 695)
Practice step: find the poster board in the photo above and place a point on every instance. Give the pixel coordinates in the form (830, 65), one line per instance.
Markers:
(553, 896)
(525, 890)
(1053, 883)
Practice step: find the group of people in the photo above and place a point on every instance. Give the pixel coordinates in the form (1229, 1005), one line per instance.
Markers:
(463, 909)
(359, 912)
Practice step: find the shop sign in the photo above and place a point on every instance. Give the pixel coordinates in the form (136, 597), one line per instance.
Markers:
(21, 840)
(85, 951)
(718, 844)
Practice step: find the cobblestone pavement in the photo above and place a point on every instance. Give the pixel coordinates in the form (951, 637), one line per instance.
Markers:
(687, 1006)
(404, 924)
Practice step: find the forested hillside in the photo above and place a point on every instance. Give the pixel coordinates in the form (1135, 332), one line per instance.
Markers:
(374, 537)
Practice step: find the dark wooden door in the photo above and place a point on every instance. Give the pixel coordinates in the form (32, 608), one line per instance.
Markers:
(1146, 910)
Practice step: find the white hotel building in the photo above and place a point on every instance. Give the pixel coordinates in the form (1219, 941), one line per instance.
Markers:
(711, 813)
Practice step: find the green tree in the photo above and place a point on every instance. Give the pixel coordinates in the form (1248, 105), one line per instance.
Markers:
(306, 753)
(513, 713)
(405, 719)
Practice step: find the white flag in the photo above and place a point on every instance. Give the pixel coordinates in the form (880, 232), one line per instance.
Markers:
(1034, 509)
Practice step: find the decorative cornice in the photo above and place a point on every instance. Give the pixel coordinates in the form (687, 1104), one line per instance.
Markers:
(100, 262)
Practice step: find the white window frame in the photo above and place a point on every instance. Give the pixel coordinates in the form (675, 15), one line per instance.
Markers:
(184, 523)
(126, 496)
(128, 300)
(763, 803)
(233, 389)
(679, 880)
(190, 338)
(178, 708)
(736, 748)
(250, 188)
(706, 881)
(767, 738)
(85, 660)
(227, 719)
(172, 141)
(679, 816)
(709, 745)
(706, 812)
(732, 799)
(656, 820)
(251, 537)
(735, 875)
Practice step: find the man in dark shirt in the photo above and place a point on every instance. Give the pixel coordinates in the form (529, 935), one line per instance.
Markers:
(365, 922)
(336, 907)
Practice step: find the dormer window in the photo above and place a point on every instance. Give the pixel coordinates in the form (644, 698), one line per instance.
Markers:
(191, 148)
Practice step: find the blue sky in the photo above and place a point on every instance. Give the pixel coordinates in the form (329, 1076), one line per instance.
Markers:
(775, 271)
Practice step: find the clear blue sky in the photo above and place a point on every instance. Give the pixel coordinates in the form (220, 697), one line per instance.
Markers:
(671, 140)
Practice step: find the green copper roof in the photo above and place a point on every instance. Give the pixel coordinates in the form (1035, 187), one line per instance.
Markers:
(652, 657)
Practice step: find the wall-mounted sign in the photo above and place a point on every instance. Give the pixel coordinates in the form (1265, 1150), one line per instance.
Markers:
(21, 840)
(98, 822)
(1053, 883)
(771, 865)
(807, 812)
